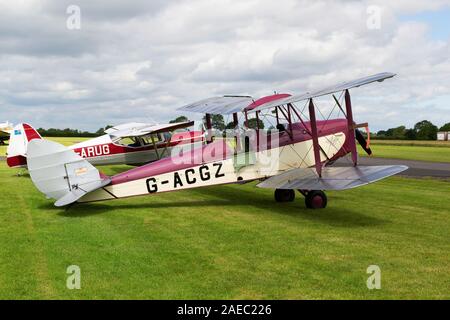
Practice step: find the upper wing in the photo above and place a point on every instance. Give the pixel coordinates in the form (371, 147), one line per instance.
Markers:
(232, 104)
(329, 90)
(141, 129)
(333, 178)
(124, 126)
(219, 105)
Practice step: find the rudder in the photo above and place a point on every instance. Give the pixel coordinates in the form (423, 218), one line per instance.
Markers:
(20, 136)
(60, 173)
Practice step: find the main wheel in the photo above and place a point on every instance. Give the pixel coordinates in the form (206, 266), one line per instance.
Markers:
(284, 195)
(316, 199)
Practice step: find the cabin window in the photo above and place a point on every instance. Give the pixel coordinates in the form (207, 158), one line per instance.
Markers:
(131, 142)
(150, 139)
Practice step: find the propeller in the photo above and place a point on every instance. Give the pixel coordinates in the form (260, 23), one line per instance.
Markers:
(362, 142)
(358, 135)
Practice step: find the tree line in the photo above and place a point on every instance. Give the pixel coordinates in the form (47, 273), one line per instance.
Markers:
(67, 132)
(218, 122)
(423, 130)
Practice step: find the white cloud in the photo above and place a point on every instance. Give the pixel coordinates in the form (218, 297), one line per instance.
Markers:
(139, 60)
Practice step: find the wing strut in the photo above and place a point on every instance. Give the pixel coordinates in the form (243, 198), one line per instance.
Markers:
(315, 137)
(208, 127)
(155, 147)
(350, 127)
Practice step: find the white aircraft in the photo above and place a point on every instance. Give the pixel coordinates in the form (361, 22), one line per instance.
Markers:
(129, 143)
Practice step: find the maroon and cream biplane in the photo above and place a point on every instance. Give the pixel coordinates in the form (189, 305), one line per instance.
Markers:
(298, 154)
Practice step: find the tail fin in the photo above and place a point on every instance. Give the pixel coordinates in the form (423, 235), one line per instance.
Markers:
(20, 136)
(60, 173)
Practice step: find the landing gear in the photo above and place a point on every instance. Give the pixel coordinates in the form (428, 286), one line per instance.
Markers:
(315, 199)
(284, 195)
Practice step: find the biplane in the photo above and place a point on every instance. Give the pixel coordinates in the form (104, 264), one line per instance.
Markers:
(5, 131)
(131, 143)
(297, 155)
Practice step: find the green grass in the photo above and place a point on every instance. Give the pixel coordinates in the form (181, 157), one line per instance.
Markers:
(410, 152)
(422, 143)
(227, 242)
(67, 141)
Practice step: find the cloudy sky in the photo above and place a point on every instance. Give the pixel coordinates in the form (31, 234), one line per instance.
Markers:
(140, 60)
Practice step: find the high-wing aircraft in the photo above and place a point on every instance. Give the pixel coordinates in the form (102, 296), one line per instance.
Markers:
(130, 143)
(298, 156)
(5, 131)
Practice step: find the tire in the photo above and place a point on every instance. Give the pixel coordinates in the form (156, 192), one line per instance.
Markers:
(316, 199)
(284, 195)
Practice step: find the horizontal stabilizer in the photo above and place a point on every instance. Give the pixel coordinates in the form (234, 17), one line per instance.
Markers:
(333, 178)
(77, 193)
(60, 173)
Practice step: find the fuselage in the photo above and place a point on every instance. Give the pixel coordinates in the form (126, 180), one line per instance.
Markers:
(103, 151)
(219, 162)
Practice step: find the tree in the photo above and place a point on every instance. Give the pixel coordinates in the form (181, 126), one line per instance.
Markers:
(230, 125)
(381, 133)
(101, 131)
(410, 134)
(445, 127)
(217, 121)
(253, 124)
(396, 133)
(425, 130)
(179, 119)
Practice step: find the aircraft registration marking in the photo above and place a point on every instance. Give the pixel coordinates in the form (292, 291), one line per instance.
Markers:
(189, 176)
(94, 151)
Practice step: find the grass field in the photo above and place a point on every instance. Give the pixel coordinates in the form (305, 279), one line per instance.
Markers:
(227, 242)
(433, 154)
(420, 143)
(435, 151)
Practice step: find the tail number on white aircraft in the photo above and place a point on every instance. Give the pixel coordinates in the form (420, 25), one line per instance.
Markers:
(94, 151)
(190, 177)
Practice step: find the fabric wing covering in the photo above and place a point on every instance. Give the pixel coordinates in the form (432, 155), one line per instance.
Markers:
(329, 90)
(333, 178)
(219, 105)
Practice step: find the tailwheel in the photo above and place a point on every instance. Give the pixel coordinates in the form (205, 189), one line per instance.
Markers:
(316, 199)
(284, 195)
